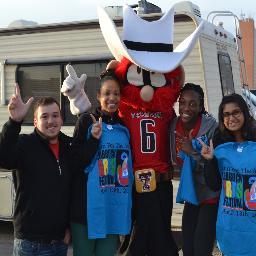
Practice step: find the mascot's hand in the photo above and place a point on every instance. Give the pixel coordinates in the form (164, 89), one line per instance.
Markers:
(112, 64)
(73, 88)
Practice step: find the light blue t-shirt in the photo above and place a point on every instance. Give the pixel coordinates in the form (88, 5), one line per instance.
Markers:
(186, 191)
(109, 185)
(236, 222)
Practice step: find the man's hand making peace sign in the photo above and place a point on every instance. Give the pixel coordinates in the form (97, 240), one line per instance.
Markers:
(17, 108)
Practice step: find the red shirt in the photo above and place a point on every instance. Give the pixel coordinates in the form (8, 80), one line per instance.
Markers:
(55, 149)
(180, 130)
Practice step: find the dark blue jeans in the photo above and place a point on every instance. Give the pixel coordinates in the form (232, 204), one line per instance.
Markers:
(23, 247)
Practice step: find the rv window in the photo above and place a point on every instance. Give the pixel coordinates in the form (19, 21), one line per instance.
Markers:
(38, 81)
(92, 70)
(46, 80)
(226, 76)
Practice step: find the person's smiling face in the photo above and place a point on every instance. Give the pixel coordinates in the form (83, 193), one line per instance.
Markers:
(109, 96)
(233, 118)
(48, 120)
(189, 106)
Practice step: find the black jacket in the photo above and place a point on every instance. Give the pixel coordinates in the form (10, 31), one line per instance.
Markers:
(43, 184)
(85, 152)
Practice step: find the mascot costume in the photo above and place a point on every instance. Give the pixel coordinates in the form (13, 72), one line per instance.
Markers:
(152, 76)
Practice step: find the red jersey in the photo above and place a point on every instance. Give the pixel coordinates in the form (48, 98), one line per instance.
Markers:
(149, 137)
(148, 122)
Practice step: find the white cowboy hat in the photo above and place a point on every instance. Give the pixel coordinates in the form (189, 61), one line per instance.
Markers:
(148, 44)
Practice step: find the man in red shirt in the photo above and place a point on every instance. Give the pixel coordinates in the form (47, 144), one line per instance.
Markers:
(43, 175)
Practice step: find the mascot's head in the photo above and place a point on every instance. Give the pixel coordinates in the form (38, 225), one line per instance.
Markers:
(145, 89)
(148, 61)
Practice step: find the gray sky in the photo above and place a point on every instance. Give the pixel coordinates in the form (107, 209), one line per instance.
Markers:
(55, 11)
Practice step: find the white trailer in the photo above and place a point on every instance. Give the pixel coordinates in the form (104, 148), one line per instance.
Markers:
(35, 57)
(7, 195)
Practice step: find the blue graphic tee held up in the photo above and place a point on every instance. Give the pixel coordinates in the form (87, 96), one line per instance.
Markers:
(236, 222)
(109, 184)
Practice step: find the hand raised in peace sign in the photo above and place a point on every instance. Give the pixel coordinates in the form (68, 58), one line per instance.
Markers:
(207, 151)
(96, 127)
(17, 108)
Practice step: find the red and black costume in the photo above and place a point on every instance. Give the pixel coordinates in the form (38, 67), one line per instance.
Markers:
(148, 123)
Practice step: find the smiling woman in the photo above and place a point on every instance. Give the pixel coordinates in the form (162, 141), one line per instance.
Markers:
(103, 183)
(233, 119)
(109, 93)
(231, 166)
(200, 210)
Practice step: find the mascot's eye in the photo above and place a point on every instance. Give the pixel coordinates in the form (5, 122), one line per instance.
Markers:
(157, 79)
(134, 75)
(138, 70)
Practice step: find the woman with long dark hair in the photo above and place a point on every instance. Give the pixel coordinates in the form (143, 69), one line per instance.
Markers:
(101, 198)
(231, 166)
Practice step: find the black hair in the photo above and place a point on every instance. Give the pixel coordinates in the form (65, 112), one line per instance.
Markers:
(198, 89)
(106, 75)
(45, 101)
(248, 128)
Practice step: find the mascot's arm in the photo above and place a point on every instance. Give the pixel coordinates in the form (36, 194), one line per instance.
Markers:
(73, 88)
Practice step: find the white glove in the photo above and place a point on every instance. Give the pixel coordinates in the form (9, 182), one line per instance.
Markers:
(73, 88)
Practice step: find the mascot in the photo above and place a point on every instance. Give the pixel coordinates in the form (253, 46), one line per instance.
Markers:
(151, 74)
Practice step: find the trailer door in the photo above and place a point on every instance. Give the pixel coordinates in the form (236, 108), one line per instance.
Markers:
(7, 194)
